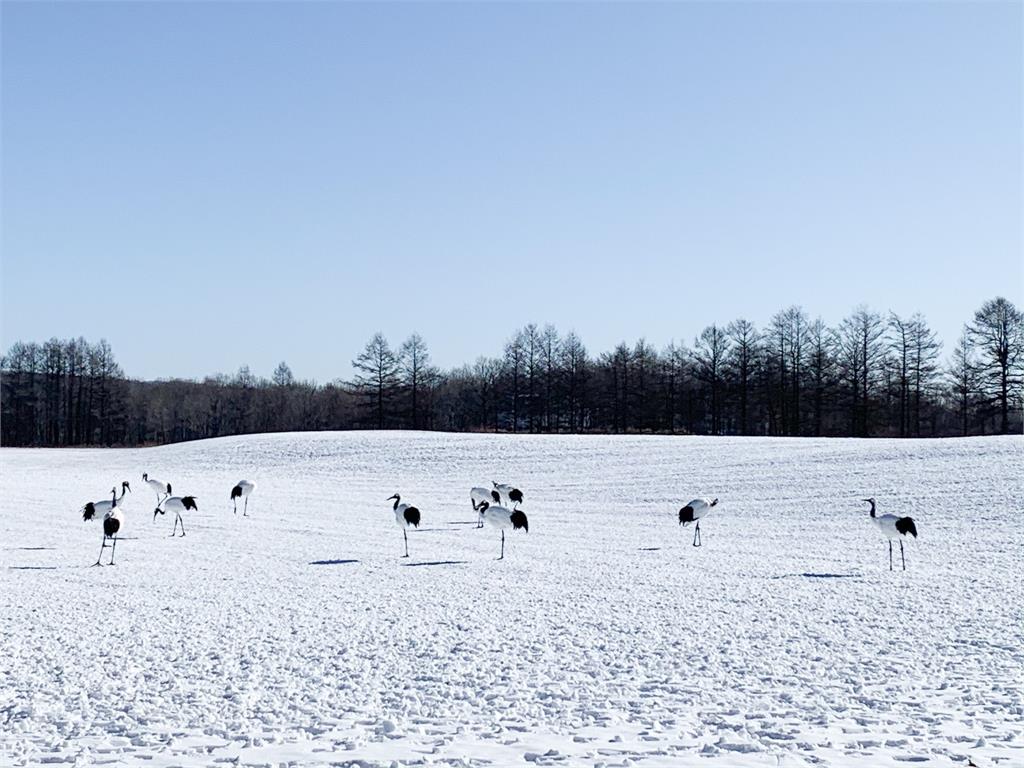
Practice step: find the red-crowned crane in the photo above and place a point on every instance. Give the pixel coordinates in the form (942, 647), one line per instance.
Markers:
(693, 512)
(177, 505)
(893, 528)
(162, 490)
(478, 497)
(512, 494)
(406, 516)
(504, 518)
(100, 509)
(113, 521)
(242, 491)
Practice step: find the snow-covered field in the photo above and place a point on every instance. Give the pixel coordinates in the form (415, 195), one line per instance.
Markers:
(298, 636)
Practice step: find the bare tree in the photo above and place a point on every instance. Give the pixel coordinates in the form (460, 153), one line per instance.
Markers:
(820, 371)
(925, 349)
(415, 360)
(744, 339)
(644, 364)
(549, 356)
(283, 376)
(900, 347)
(283, 379)
(530, 340)
(710, 353)
(575, 365)
(514, 361)
(616, 366)
(376, 378)
(963, 379)
(487, 377)
(998, 334)
(671, 366)
(861, 352)
(786, 339)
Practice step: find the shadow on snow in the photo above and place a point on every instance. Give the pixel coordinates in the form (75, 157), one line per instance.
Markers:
(819, 576)
(333, 562)
(33, 567)
(436, 562)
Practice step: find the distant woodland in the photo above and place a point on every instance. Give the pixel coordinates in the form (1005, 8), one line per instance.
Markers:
(872, 375)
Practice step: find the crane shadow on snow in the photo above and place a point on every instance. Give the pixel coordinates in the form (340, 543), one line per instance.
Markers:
(333, 562)
(32, 567)
(28, 549)
(436, 562)
(819, 576)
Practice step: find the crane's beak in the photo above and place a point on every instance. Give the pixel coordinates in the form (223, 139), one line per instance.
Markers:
(389, 498)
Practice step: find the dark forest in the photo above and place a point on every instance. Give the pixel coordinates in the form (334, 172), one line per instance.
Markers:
(873, 375)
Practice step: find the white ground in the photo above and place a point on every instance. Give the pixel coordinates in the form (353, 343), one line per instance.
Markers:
(298, 636)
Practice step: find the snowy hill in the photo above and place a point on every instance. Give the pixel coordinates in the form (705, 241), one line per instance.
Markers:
(298, 636)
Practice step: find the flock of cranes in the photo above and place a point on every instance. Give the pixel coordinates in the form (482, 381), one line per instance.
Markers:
(496, 507)
(486, 503)
(111, 511)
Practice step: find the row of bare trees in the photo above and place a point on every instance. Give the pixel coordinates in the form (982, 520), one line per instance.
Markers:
(61, 393)
(871, 375)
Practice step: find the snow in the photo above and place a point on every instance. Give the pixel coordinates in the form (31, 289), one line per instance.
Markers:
(299, 636)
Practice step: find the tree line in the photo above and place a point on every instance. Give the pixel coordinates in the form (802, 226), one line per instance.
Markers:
(871, 375)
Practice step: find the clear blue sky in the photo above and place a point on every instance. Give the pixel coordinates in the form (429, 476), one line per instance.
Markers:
(209, 185)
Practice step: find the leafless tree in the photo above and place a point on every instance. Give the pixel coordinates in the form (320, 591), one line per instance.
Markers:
(860, 356)
(998, 334)
(514, 362)
(710, 352)
(925, 349)
(549, 356)
(963, 379)
(744, 339)
(414, 359)
(574, 362)
(820, 371)
(377, 369)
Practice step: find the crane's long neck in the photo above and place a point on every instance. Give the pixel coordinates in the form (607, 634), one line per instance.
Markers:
(397, 500)
(872, 503)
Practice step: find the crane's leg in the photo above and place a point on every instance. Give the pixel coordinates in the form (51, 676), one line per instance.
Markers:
(696, 535)
(245, 509)
(113, 550)
(235, 502)
(890, 554)
(904, 559)
(175, 524)
(182, 520)
(406, 537)
(103, 544)
(502, 546)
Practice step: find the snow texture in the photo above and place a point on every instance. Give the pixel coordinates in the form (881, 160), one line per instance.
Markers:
(299, 636)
